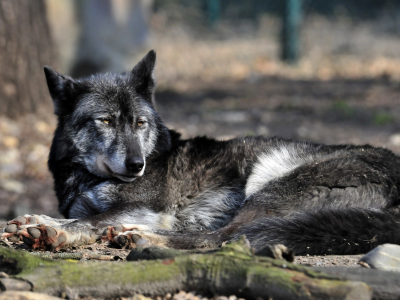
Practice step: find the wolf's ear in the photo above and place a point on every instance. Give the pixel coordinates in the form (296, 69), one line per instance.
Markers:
(142, 77)
(63, 90)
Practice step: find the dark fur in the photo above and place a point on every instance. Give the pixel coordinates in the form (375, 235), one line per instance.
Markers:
(339, 200)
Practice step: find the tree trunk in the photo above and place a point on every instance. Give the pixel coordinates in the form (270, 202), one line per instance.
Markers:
(231, 270)
(107, 41)
(25, 47)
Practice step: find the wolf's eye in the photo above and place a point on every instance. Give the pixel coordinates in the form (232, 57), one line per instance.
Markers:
(140, 123)
(106, 121)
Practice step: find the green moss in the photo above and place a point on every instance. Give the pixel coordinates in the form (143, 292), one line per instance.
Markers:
(280, 278)
(24, 261)
(249, 133)
(344, 108)
(382, 118)
(238, 249)
(126, 273)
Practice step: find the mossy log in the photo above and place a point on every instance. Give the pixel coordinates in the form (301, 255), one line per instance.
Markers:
(231, 270)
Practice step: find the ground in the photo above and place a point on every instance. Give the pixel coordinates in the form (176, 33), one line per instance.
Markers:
(230, 82)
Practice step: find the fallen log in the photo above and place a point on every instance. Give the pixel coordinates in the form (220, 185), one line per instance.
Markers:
(385, 285)
(231, 270)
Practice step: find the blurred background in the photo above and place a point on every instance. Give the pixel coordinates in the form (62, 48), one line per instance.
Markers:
(318, 70)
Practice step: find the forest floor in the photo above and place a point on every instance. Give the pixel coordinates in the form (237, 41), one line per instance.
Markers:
(346, 89)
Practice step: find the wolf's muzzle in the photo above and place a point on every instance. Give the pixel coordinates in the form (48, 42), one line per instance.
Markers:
(134, 164)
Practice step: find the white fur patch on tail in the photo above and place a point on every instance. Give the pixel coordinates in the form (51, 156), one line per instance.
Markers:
(274, 164)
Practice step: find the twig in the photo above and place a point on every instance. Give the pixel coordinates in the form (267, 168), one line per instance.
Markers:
(76, 256)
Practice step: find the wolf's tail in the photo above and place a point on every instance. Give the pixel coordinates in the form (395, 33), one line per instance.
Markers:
(349, 231)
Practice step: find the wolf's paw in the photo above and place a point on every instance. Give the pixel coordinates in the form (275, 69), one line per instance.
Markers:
(111, 232)
(43, 237)
(134, 238)
(11, 231)
(13, 226)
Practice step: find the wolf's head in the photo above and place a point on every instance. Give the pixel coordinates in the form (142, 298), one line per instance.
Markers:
(107, 122)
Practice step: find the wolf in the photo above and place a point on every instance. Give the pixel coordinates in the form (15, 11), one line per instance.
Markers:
(121, 175)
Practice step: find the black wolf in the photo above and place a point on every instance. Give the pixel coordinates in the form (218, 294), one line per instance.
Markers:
(118, 171)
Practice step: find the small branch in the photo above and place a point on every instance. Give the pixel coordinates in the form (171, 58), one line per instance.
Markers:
(76, 256)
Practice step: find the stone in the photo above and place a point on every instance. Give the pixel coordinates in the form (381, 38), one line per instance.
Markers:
(233, 117)
(395, 139)
(18, 295)
(10, 141)
(11, 284)
(11, 185)
(9, 127)
(263, 130)
(10, 162)
(385, 257)
(38, 154)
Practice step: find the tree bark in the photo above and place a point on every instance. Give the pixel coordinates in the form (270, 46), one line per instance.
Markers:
(25, 47)
(231, 270)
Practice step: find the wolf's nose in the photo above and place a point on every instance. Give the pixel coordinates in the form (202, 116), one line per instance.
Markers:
(134, 164)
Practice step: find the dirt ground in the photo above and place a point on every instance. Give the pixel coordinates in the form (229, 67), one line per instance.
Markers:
(345, 89)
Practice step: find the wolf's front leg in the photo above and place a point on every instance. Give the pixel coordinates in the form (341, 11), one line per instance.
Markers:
(41, 232)
(129, 236)
(134, 238)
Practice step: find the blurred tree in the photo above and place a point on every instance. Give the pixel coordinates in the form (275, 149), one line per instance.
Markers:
(106, 39)
(213, 11)
(25, 47)
(291, 31)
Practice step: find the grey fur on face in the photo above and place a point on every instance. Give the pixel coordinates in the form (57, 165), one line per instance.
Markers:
(111, 134)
